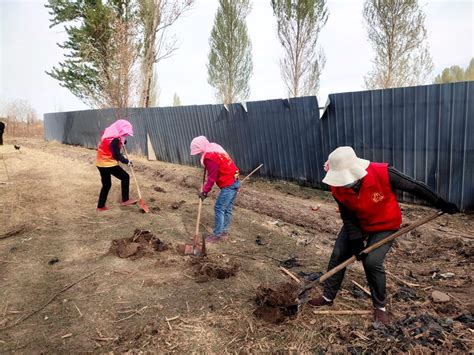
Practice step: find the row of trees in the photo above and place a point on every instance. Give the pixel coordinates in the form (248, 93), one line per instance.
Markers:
(113, 47)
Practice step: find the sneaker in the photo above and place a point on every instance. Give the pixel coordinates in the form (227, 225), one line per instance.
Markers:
(381, 316)
(211, 239)
(129, 202)
(102, 209)
(319, 302)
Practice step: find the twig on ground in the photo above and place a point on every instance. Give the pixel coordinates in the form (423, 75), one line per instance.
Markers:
(133, 314)
(8, 261)
(366, 291)
(68, 335)
(346, 312)
(51, 299)
(406, 283)
(290, 274)
(16, 231)
(168, 320)
(78, 310)
(455, 298)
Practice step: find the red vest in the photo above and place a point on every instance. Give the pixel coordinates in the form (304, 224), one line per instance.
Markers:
(375, 205)
(228, 172)
(104, 157)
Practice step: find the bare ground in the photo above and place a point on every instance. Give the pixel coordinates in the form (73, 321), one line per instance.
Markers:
(51, 237)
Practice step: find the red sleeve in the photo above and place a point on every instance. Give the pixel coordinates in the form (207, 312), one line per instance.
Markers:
(212, 173)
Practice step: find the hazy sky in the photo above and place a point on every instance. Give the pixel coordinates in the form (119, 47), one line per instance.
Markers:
(28, 48)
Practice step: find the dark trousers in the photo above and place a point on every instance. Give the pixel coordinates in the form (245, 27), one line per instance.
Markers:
(373, 266)
(1, 137)
(105, 175)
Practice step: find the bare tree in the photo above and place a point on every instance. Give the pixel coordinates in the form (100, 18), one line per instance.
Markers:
(230, 58)
(156, 16)
(299, 24)
(396, 30)
(21, 118)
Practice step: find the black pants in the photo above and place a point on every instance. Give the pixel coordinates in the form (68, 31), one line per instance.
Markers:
(105, 175)
(1, 137)
(373, 266)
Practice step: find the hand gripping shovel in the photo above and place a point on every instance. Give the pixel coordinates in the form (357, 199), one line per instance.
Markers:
(303, 296)
(141, 202)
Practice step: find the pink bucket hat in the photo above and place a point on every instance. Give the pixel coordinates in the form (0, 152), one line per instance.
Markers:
(118, 129)
(200, 145)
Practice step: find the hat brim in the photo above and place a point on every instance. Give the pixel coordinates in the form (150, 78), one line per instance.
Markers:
(338, 178)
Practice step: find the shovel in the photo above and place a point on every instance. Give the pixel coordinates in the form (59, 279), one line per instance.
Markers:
(141, 202)
(303, 296)
(198, 249)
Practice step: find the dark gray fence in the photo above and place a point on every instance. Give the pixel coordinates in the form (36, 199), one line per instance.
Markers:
(425, 131)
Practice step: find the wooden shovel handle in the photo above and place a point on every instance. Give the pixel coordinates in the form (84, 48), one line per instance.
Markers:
(375, 246)
(253, 171)
(133, 174)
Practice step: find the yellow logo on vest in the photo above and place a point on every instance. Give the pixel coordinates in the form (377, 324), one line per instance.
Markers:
(377, 197)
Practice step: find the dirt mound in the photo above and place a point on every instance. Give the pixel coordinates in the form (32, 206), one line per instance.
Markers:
(274, 305)
(143, 243)
(206, 269)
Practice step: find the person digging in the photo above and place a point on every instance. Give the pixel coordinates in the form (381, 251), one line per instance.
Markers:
(222, 171)
(364, 192)
(107, 161)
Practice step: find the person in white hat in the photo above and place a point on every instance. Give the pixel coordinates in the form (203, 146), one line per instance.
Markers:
(370, 212)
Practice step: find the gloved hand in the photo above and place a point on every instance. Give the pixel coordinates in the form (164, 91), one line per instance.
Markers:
(202, 196)
(125, 142)
(357, 245)
(447, 207)
(130, 164)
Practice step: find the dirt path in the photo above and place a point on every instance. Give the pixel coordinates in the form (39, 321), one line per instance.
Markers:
(49, 201)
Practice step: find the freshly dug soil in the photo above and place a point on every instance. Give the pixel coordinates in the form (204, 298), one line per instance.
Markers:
(206, 269)
(143, 243)
(275, 305)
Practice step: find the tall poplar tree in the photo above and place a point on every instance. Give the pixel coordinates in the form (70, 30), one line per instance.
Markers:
(299, 24)
(396, 30)
(230, 59)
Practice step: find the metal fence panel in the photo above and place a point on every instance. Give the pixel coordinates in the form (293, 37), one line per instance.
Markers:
(425, 132)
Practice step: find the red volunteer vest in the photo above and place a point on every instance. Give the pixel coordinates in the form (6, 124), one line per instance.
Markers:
(375, 205)
(228, 171)
(104, 156)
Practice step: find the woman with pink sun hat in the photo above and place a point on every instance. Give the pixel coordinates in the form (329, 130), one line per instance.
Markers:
(107, 161)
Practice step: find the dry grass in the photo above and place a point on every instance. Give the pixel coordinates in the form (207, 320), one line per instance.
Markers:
(154, 304)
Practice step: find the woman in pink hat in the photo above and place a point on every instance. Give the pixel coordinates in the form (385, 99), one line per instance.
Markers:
(370, 212)
(222, 171)
(107, 161)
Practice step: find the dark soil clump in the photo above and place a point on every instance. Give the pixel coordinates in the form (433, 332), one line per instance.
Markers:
(177, 205)
(143, 243)
(206, 269)
(159, 189)
(275, 305)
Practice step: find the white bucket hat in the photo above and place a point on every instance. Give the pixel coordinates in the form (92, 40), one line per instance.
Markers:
(344, 167)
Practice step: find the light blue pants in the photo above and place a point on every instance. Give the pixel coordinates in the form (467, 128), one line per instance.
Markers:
(223, 208)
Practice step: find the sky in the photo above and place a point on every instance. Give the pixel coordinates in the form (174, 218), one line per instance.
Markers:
(28, 48)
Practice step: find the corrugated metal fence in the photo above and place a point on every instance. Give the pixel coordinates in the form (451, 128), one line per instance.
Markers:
(426, 131)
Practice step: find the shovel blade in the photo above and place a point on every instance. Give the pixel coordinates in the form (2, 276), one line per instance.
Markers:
(143, 206)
